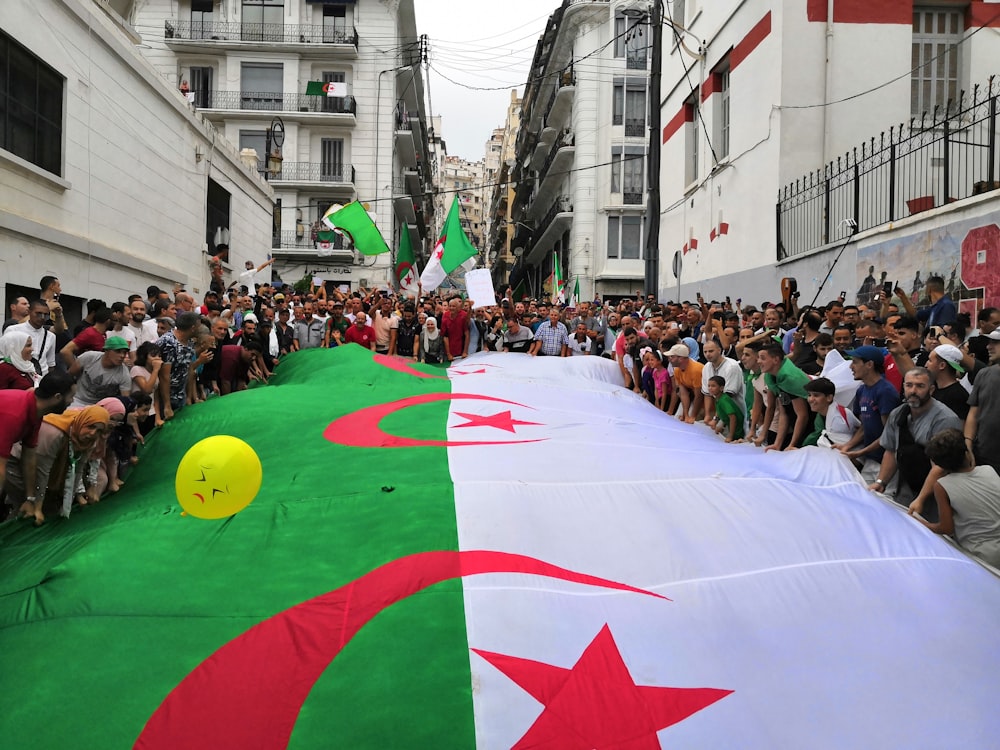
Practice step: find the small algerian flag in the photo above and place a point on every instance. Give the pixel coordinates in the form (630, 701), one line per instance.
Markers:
(326, 88)
(452, 250)
(456, 588)
(406, 269)
(575, 299)
(325, 239)
(354, 222)
(558, 282)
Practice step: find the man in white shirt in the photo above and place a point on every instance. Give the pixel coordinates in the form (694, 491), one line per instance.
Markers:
(143, 330)
(249, 276)
(43, 341)
(729, 369)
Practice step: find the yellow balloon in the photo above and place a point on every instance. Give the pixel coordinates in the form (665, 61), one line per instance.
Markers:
(217, 477)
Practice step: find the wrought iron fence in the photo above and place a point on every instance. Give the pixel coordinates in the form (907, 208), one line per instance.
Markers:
(307, 171)
(264, 101)
(635, 126)
(944, 157)
(259, 32)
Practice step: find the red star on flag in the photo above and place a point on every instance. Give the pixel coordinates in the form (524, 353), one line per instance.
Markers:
(597, 704)
(501, 421)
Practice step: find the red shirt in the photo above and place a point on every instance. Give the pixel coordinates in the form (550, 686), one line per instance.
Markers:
(364, 336)
(89, 340)
(19, 420)
(456, 330)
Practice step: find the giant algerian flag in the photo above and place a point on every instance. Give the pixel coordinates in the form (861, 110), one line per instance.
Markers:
(357, 225)
(406, 268)
(448, 559)
(452, 250)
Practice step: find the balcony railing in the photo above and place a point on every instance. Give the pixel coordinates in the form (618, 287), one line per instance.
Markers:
(635, 126)
(565, 78)
(264, 101)
(258, 32)
(632, 199)
(947, 156)
(307, 239)
(306, 171)
(636, 62)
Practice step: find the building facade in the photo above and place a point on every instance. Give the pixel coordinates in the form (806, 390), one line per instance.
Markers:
(329, 95)
(816, 101)
(581, 151)
(464, 179)
(499, 227)
(108, 179)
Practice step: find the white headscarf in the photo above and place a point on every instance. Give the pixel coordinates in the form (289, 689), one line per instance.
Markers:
(12, 344)
(427, 335)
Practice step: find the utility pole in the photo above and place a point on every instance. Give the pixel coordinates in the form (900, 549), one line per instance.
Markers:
(652, 275)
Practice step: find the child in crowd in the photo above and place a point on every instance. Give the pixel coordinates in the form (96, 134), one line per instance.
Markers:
(728, 419)
(834, 424)
(653, 360)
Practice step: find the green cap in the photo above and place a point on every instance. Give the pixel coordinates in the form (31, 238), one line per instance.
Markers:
(115, 343)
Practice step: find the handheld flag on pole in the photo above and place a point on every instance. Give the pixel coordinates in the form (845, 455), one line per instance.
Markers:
(575, 299)
(406, 269)
(451, 251)
(558, 282)
(354, 222)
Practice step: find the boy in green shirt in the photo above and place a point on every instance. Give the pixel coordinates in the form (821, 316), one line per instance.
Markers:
(728, 420)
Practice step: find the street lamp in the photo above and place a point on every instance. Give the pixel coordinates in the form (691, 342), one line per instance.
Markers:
(272, 148)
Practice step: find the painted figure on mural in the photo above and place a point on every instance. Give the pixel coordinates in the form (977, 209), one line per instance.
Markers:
(918, 285)
(867, 290)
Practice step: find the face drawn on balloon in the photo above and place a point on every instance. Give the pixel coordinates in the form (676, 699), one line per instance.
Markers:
(218, 477)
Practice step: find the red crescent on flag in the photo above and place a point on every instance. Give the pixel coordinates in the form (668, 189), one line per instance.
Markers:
(400, 267)
(249, 692)
(360, 429)
(400, 365)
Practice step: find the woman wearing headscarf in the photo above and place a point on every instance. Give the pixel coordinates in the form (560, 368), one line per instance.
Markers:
(103, 469)
(16, 368)
(63, 452)
(693, 347)
(431, 343)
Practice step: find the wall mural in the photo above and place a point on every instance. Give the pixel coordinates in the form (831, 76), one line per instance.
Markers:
(965, 253)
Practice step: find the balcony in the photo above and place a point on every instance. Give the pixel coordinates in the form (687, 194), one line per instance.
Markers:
(306, 174)
(344, 109)
(292, 244)
(561, 102)
(556, 167)
(635, 127)
(636, 62)
(409, 140)
(553, 225)
(188, 36)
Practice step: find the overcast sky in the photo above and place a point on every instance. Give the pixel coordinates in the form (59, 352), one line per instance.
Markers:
(478, 44)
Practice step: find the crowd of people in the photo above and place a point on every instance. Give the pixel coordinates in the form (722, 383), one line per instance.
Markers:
(926, 382)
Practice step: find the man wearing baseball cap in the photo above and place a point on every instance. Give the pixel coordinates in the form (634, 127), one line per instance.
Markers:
(101, 374)
(874, 402)
(945, 364)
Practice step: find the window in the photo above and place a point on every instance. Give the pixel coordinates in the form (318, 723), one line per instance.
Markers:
(627, 164)
(31, 107)
(631, 41)
(629, 106)
(261, 86)
(217, 219)
(263, 20)
(335, 24)
(721, 114)
(937, 34)
(200, 81)
(692, 136)
(625, 237)
(257, 140)
(332, 103)
(202, 19)
(332, 159)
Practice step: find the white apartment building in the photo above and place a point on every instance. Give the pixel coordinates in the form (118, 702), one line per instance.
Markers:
(464, 179)
(581, 151)
(108, 179)
(248, 65)
(762, 96)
